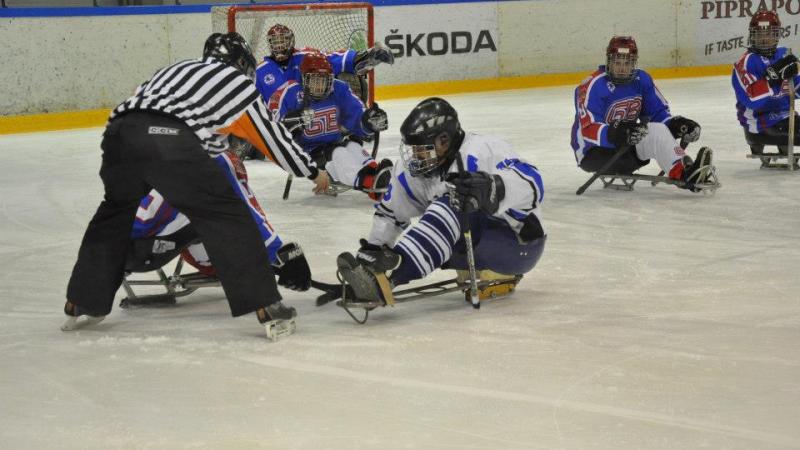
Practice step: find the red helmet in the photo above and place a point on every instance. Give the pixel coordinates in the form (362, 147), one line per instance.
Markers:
(317, 75)
(281, 42)
(621, 57)
(765, 30)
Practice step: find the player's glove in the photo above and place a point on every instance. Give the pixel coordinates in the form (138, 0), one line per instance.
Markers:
(377, 258)
(626, 132)
(683, 128)
(292, 268)
(375, 119)
(475, 191)
(297, 120)
(366, 61)
(782, 69)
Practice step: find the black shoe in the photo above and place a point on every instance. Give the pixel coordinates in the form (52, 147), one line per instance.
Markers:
(73, 310)
(697, 171)
(275, 312)
(365, 286)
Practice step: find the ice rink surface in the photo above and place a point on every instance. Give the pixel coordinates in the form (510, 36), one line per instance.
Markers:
(656, 319)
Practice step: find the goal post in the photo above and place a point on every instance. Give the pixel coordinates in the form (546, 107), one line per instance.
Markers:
(329, 27)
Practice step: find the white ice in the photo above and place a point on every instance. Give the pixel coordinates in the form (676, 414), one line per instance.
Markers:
(656, 319)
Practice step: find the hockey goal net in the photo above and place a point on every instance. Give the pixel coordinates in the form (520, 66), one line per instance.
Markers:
(324, 26)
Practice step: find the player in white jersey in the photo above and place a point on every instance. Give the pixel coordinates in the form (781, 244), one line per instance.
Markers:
(449, 177)
(161, 138)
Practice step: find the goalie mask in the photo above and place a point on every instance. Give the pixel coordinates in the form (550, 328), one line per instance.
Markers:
(231, 49)
(621, 58)
(281, 42)
(317, 76)
(765, 30)
(431, 136)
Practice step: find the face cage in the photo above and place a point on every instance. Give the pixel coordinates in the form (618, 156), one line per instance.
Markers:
(280, 45)
(764, 39)
(419, 160)
(621, 58)
(318, 85)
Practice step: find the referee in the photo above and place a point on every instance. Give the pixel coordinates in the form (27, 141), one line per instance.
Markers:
(161, 138)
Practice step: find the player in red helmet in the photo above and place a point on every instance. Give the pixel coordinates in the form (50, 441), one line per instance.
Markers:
(619, 106)
(283, 62)
(761, 82)
(330, 123)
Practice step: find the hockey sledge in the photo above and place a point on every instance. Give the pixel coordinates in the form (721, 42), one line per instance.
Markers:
(346, 300)
(627, 182)
(773, 160)
(176, 285)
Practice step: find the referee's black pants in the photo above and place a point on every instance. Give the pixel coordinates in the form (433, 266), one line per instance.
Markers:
(143, 151)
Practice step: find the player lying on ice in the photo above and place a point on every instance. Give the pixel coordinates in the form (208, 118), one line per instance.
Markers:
(160, 233)
(619, 108)
(499, 194)
(761, 83)
(283, 62)
(330, 123)
(162, 138)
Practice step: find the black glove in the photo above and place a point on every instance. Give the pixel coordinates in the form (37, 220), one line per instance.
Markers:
(626, 132)
(366, 61)
(683, 128)
(475, 191)
(298, 120)
(375, 119)
(782, 69)
(292, 268)
(377, 258)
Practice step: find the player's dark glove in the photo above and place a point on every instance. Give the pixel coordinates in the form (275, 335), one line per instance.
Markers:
(782, 69)
(683, 128)
(298, 120)
(626, 132)
(475, 191)
(292, 268)
(378, 258)
(366, 61)
(375, 119)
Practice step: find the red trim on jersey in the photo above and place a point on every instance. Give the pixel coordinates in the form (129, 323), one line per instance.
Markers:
(754, 87)
(590, 129)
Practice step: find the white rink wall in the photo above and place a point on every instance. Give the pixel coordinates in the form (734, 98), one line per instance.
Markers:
(54, 64)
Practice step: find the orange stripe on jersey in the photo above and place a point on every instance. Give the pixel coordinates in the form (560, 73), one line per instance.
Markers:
(244, 128)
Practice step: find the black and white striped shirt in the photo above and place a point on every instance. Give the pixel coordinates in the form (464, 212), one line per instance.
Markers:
(215, 100)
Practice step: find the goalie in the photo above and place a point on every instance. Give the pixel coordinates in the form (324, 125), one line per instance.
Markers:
(499, 195)
(619, 108)
(283, 62)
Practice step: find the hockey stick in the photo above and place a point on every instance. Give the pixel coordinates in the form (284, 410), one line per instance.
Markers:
(602, 171)
(288, 186)
(790, 144)
(465, 228)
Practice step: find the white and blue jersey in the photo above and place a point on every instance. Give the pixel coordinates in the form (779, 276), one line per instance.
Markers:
(599, 103)
(334, 117)
(430, 242)
(270, 75)
(759, 105)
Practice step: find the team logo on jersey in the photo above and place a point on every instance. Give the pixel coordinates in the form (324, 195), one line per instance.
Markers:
(300, 96)
(326, 120)
(611, 87)
(269, 78)
(624, 109)
(163, 130)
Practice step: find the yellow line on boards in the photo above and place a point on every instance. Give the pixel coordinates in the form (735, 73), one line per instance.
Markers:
(53, 121)
(97, 117)
(526, 82)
